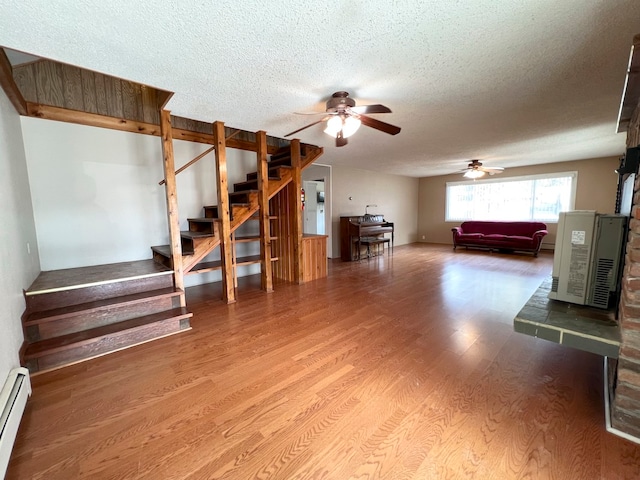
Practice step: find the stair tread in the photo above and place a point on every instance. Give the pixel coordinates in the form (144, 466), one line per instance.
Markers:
(64, 342)
(192, 234)
(165, 250)
(58, 313)
(203, 219)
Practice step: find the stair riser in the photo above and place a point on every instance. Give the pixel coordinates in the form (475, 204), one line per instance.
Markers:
(274, 174)
(162, 260)
(79, 321)
(203, 227)
(49, 301)
(280, 162)
(248, 185)
(106, 345)
(211, 212)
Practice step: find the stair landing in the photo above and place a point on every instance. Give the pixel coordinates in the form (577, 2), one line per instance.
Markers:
(81, 277)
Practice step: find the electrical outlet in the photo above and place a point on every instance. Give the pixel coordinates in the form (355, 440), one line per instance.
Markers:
(28, 249)
(423, 237)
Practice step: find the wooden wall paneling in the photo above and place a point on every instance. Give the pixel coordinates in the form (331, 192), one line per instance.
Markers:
(25, 78)
(113, 90)
(131, 101)
(101, 95)
(228, 290)
(314, 255)
(266, 274)
(149, 101)
(172, 201)
(89, 99)
(295, 207)
(280, 208)
(72, 87)
(49, 83)
(8, 84)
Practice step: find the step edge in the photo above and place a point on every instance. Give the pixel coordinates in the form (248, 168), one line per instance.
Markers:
(58, 367)
(98, 283)
(108, 304)
(87, 341)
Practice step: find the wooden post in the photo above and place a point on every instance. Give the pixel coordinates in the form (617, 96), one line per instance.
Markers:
(266, 274)
(295, 207)
(228, 290)
(172, 201)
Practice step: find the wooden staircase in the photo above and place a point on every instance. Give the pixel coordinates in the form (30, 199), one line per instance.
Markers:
(77, 314)
(203, 235)
(81, 313)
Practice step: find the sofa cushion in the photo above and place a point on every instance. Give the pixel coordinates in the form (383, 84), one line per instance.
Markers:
(469, 236)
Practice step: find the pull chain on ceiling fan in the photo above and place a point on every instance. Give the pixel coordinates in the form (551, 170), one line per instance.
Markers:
(344, 118)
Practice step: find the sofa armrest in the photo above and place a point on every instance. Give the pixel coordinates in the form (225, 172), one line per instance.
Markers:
(540, 233)
(456, 230)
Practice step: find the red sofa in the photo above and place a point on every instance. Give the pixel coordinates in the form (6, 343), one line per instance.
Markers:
(520, 236)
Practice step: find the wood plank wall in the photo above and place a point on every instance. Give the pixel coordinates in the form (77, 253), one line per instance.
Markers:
(65, 86)
(282, 228)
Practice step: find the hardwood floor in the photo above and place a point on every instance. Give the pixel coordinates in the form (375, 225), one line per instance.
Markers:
(399, 367)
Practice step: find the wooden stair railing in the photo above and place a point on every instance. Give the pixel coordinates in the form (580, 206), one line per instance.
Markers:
(203, 235)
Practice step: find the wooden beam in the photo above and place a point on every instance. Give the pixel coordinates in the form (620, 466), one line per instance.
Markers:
(115, 123)
(91, 119)
(295, 207)
(172, 201)
(187, 165)
(9, 86)
(266, 269)
(228, 290)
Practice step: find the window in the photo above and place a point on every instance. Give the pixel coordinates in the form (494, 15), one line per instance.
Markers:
(533, 197)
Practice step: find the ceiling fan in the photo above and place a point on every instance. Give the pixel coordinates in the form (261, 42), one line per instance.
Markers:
(344, 118)
(476, 170)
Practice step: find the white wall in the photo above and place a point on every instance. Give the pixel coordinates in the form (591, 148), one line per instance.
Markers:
(395, 195)
(18, 267)
(96, 197)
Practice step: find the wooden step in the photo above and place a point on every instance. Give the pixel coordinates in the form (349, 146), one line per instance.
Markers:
(211, 211)
(284, 152)
(243, 196)
(79, 346)
(62, 288)
(274, 173)
(251, 185)
(203, 224)
(280, 162)
(62, 321)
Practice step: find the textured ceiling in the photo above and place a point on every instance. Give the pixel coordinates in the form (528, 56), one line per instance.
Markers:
(511, 83)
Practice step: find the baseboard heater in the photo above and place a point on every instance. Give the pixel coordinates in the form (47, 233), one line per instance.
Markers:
(13, 400)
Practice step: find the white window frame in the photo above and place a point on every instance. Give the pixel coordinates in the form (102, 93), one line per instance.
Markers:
(572, 198)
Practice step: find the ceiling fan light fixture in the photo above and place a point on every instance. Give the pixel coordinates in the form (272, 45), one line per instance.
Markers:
(473, 174)
(349, 125)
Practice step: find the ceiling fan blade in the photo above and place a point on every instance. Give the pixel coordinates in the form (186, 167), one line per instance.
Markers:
(310, 113)
(492, 169)
(378, 125)
(371, 109)
(307, 126)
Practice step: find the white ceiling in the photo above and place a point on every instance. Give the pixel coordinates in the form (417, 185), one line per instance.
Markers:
(511, 83)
